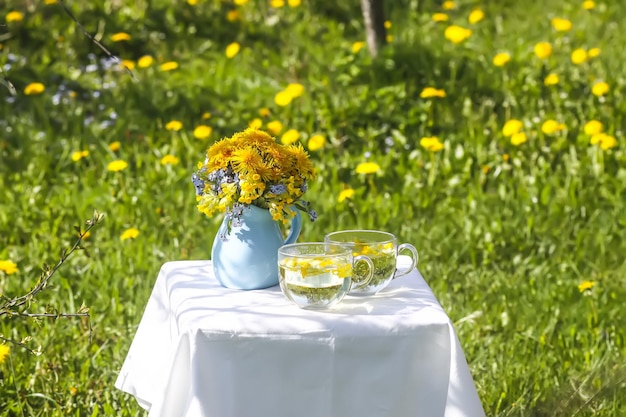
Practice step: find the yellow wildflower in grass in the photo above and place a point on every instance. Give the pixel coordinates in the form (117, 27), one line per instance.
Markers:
(589, 5)
(192, 2)
(117, 165)
(543, 50)
(202, 132)
(475, 16)
(232, 49)
(593, 127)
(600, 89)
(357, 46)
(206, 115)
(518, 138)
(367, 168)
(240, 2)
(145, 61)
(457, 34)
(128, 64)
(511, 127)
(289, 137)
(501, 59)
(283, 98)
(586, 285)
(14, 16)
(50, 1)
(387, 24)
(169, 159)
(551, 79)
(130, 233)
(264, 112)
(593, 52)
(115, 146)
(316, 142)
(4, 352)
(561, 25)
(277, 4)
(8, 267)
(233, 15)
(294, 3)
(345, 194)
(169, 66)
(78, 155)
(389, 38)
(295, 89)
(432, 143)
(274, 127)
(551, 126)
(448, 5)
(579, 56)
(174, 125)
(34, 89)
(604, 141)
(84, 235)
(120, 37)
(430, 92)
(440, 17)
(255, 123)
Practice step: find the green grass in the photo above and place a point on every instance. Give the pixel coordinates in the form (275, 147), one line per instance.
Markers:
(505, 233)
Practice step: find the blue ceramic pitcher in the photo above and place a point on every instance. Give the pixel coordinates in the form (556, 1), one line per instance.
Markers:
(247, 257)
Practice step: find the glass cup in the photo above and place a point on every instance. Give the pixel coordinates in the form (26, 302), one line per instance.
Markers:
(382, 248)
(318, 275)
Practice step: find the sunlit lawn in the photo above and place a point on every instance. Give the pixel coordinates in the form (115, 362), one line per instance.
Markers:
(495, 146)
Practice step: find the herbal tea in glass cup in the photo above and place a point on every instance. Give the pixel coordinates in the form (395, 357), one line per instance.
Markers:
(318, 275)
(382, 248)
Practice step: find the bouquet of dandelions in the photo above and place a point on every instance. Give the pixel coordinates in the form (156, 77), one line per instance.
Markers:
(251, 168)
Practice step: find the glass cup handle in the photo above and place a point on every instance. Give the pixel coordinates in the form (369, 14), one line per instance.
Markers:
(370, 271)
(414, 259)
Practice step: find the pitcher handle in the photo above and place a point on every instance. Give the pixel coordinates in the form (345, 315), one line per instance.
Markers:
(296, 226)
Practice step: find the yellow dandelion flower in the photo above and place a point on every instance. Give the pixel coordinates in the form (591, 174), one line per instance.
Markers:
(283, 98)
(430, 92)
(8, 267)
(551, 79)
(579, 56)
(4, 352)
(34, 89)
(345, 194)
(14, 16)
(78, 155)
(608, 142)
(543, 50)
(120, 36)
(593, 52)
(117, 165)
(600, 89)
(367, 168)
(145, 61)
(115, 146)
(277, 4)
(289, 137)
(561, 25)
(593, 127)
(295, 89)
(255, 123)
(589, 5)
(431, 143)
(294, 3)
(192, 2)
(174, 125)
(518, 138)
(440, 17)
(206, 115)
(232, 49)
(457, 34)
(357, 46)
(169, 66)
(169, 159)
(476, 16)
(233, 15)
(501, 59)
(202, 132)
(316, 142)
(387, 24)
(128, 64)
(511, 127)
(130, 233)
(448, 5)
(275, 127)
(586, 285)
(551, 126)
(264, 112)
(50, 1)
(240, 2)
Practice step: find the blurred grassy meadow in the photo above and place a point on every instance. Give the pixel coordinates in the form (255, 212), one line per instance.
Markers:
(493, 133)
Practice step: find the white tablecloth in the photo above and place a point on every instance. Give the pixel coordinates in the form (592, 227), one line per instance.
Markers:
(202, 350)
